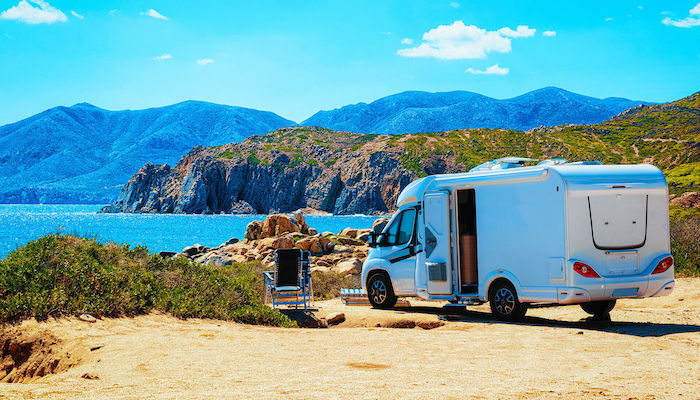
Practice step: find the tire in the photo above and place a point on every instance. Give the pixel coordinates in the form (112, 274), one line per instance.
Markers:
(380, 292)
(599, 307)
(504, 302)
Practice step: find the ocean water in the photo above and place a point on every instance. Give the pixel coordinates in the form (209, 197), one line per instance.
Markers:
(22, 223)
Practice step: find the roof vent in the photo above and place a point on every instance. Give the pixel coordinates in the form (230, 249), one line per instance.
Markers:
(553, 161)
(502, 163)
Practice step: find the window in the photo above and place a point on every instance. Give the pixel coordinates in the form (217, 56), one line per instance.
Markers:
(401, 230)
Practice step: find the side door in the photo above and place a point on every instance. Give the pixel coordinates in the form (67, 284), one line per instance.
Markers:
(400, 244)
(438, 253)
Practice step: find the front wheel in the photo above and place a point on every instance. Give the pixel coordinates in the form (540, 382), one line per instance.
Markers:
(505, 304)
(599, 307)
(380, 292)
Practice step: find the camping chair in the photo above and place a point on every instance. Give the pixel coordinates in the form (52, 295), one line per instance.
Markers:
(290, 282)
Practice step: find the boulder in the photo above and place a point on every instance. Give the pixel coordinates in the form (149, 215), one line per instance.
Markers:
(363, 235)
(351, 266)
(167, 254)
(350, 232)
(282, 242)
(195, 249)
(313, 231)
(379, 224)
(429, 324)
(253, 231)
(304, 244)
(335, 318)
(327, 234)
(301, 222)
(231, 241)
(278, 224)
(350, 241)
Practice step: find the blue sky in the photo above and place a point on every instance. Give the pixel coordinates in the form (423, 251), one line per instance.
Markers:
(297, 57)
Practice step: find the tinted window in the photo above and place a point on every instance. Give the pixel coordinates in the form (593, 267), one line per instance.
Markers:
(408, 219)
(401, 230)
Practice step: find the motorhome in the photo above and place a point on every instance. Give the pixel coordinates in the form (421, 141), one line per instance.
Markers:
(521, 236)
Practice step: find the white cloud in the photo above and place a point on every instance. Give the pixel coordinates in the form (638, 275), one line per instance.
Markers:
(114, 12)
(549, 33)
(165, 56)
(155, 14)
(454, 4)
(665, 13)
(521, 31)
(204, 61)
(25, 12)
(76, 15)
(407, 41)
(609, 19)
(492, 70)
(692, 20)
(459, 41)
(640, 7)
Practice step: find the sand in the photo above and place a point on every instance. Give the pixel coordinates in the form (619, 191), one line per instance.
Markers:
(650, 351)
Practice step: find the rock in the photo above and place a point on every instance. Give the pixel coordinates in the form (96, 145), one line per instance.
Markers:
(87, 318)
(231, 241)
(350, 232)
(335, 318)
(194, 250)
(363, 236)
(253, 231)
(379, 224)
(313, 231)
(350, 241)
(687, 200)
(278, 224)
(301, 222)
(242, 207)
(167, 254)
(315, 248)
(342, 249)
(351, 266)
(304, 244)
(327, 234)
(430, 324)
(89, 375)
(305, 319)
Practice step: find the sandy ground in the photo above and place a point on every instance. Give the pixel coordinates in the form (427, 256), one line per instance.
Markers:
(651, 351)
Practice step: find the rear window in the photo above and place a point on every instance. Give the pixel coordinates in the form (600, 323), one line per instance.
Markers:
(618, 220)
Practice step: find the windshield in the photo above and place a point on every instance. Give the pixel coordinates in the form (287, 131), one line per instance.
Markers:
(401, 229)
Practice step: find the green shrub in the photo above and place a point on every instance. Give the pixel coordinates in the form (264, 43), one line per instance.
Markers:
(327, 285)
(685, 242)
(64, 275)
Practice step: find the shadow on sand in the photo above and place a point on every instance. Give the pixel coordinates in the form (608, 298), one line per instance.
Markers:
(641, 329)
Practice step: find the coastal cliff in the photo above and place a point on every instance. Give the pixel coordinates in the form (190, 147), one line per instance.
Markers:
(351, 173)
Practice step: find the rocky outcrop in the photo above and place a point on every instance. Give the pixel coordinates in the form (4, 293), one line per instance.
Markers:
(351, 176)
(329, 252)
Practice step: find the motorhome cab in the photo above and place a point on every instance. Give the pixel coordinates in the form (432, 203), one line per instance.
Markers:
(554, 233)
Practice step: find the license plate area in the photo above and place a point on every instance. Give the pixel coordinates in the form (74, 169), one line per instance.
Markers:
(622, 262)
(625, 292)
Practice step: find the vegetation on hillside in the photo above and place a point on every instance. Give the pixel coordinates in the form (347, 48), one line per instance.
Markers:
(65, 275)
(665, 135)
(685, 240)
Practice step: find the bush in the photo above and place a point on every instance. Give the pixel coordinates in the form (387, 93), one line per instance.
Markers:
(64, 275)
(327, 285)
(685, 243)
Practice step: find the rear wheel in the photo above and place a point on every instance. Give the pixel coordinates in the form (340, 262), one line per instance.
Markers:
(380, 292)
(599, 307)
(504, 302)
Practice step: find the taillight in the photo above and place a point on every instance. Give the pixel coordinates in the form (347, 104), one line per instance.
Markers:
(663, 265)
(585, 270)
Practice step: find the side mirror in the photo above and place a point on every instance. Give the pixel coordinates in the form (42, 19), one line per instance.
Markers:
(374, 238)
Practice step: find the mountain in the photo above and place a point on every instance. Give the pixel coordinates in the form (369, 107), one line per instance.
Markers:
(413, 112)
(349, 173)
(84, 153)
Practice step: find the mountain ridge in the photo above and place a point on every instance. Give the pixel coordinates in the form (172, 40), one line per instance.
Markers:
(354, 173)
(419, 111)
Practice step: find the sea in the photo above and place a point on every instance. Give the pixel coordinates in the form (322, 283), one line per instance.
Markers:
(22, 223)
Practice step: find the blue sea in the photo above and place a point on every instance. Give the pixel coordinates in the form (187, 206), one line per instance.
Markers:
(22, 223)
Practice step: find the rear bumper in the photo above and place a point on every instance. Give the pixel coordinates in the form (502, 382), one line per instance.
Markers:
(615, 288)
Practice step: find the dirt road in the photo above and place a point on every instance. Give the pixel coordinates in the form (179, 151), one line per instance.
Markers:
(651, 351)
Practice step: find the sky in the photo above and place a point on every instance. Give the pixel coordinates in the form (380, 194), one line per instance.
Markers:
(298, 57)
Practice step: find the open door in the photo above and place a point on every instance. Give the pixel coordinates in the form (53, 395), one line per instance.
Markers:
(438, 260)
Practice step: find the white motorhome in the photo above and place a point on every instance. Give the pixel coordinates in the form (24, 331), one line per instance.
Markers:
(516, 236)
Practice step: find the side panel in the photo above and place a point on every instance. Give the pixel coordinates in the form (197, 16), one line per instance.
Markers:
(521, 231)
(438, 260)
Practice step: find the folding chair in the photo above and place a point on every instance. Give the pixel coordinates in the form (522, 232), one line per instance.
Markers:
(290, 282)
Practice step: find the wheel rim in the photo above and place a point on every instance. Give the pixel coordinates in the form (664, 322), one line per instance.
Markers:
(378, 291)
(505, 301)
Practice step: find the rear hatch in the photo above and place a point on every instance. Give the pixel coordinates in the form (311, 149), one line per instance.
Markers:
(619, 227)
